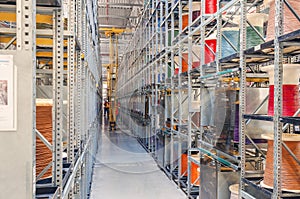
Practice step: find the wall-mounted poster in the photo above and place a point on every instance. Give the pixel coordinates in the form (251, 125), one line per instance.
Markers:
(7, 103)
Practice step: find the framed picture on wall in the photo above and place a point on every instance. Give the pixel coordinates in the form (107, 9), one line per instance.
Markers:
(7, 98)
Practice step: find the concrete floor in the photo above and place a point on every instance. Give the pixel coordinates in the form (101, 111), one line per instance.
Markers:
(123, 170)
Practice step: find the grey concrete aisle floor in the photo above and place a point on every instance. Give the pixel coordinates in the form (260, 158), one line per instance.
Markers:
(123, 170)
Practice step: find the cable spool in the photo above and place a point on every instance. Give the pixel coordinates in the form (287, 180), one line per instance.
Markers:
(195, 14)
(176, 32)
(196, 56)
(196, 119)
(185, 55)
(184, 62)
(196, 10)
(290, 22)
(236, 135)
(161, 77)
(185, 20)
(234, 191)
(210, 6)
(233, 35)
(257, 20)
(195, 171)
(184, 164)
(290, 170)
(176, 71)
(266, 3)
(169, 70)
(176, 64)
(291, 98)
(44, 126)
(210, 50)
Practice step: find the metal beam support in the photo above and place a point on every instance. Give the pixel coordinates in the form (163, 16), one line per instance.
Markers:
(278, 75)
(190, 96)
(117, 17)
(242, 97)
(79, 76)
(71, 83)
(47, 71)
(84, 76)
(172, 93)
(114, 26)
(120, 4)
(57, 97)
(44, 171)
(246, 195)
(10, 43)
(44, 140)
(76, 169)
(71, 88)
(40, 33)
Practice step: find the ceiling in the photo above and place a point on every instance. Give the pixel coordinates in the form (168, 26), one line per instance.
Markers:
(117, 14)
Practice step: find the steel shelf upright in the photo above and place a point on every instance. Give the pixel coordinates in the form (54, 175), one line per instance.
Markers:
(178, 87)
(278, 77)
(145, 76)
(172, 166)
(193, 129)
(168, 139)
(80, 84)
(57, 172)
(149, 77)
(242, 97)
(148, 27)
(154, 66)
(177, 114)
(71, 86)
(162, 75)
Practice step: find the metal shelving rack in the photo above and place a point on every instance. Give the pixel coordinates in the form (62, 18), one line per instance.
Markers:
(149, 87)
(72, 55)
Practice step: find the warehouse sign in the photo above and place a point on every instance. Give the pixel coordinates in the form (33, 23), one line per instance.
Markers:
(7, 112)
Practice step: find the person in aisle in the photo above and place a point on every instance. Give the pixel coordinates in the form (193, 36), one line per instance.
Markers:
(106, 108)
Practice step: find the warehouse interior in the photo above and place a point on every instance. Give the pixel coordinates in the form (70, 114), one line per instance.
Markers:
(110, 99)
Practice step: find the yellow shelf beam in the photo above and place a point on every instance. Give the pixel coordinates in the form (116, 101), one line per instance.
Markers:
(49, 54)
(50, 63)
(248, 79)
(11, 17)
(45, 42)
